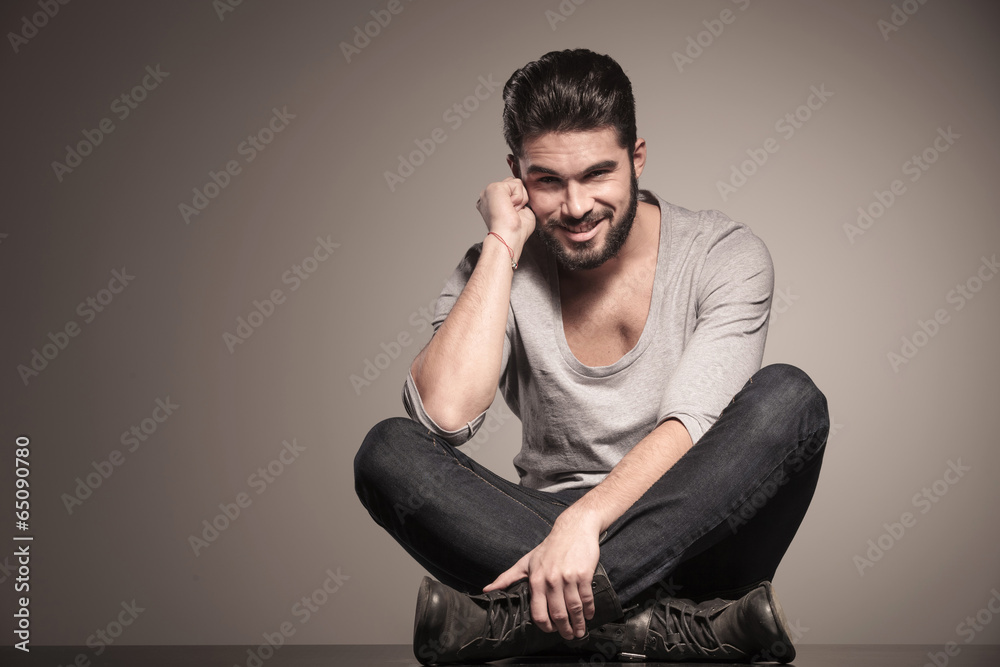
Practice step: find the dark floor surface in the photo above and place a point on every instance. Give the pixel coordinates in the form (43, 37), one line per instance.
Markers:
(809, 655)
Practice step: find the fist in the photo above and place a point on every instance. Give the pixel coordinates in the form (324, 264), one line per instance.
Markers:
(505, 209)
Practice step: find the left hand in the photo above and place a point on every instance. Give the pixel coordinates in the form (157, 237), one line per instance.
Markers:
(560, 571)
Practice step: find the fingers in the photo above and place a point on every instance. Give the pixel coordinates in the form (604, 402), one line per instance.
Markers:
(566, 609)
(497, 197)
(563, 607)
(539, 604)
(559, 614)
(576, 624)
(505, 208)
(587, 597)
(515, 572)
(503, 581)
(518, 193)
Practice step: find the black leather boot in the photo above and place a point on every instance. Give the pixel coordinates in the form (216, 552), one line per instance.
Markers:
(751, 629)
(451, 626)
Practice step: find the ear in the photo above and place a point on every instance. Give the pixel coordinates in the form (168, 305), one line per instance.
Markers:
(639, 156)
(515, 168)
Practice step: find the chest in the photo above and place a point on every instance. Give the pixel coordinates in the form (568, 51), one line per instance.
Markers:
(602, 325)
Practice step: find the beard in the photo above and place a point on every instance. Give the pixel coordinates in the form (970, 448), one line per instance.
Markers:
(586, 254)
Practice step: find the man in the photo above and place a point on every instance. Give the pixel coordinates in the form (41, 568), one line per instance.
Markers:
(657, 457)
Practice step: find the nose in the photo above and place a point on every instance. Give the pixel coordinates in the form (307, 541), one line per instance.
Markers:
(578, 202)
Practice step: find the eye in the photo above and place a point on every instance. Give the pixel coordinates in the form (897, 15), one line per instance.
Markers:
(600, 172)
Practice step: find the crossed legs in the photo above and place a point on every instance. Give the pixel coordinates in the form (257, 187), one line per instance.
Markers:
(716, 524)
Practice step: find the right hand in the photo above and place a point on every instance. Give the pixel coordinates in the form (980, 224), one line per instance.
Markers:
(505, 210)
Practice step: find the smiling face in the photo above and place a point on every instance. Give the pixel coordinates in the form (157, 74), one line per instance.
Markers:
(583, 188)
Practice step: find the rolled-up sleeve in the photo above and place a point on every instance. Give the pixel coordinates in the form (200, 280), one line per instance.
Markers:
(446, 301)
(734, 291)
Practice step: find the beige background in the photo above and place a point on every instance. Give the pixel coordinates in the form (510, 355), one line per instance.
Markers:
(840, 307)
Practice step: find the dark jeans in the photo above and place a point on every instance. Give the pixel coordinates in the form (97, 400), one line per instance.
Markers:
(715, 524)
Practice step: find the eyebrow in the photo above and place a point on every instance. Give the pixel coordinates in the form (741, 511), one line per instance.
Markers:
(606, 164)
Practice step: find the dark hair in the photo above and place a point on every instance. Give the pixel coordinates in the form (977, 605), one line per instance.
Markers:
(569, 90)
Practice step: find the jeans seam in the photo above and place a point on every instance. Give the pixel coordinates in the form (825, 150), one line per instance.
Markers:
(465, 467)
(556, 503)
(505, 493)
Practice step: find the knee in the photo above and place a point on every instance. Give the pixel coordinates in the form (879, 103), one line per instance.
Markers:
(380, 451)
(791, 390)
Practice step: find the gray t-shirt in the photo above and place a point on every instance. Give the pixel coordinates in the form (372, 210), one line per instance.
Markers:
(703, 339)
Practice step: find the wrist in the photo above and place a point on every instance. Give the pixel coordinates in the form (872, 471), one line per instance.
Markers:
(580, 518)
(508, 243)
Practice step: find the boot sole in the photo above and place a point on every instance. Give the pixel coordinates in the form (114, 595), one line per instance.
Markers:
(784, 641)
(422, 650)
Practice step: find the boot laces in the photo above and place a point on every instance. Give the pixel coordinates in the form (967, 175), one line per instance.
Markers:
(506, 611)
(688, 625)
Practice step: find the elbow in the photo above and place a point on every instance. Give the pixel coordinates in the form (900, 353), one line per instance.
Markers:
(451, 405)
(445, 414)
(440, 406)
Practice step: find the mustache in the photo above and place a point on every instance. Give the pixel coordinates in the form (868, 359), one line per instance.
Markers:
(593, 216)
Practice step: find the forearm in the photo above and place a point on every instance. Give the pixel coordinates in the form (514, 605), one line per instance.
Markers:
(458, 371)
(632, 477)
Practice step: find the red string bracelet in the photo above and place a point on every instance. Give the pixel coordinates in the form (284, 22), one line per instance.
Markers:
(513, 264)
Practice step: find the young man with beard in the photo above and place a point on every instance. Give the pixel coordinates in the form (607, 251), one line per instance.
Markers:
(658, 458)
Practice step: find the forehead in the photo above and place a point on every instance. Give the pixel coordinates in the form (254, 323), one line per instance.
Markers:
(570, 152)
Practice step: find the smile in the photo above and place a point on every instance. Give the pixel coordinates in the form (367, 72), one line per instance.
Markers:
(584, 232)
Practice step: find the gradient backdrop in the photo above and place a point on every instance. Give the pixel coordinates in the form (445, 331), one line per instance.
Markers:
(177, 163)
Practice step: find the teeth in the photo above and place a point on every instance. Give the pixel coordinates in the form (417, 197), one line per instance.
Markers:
(583, 230)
